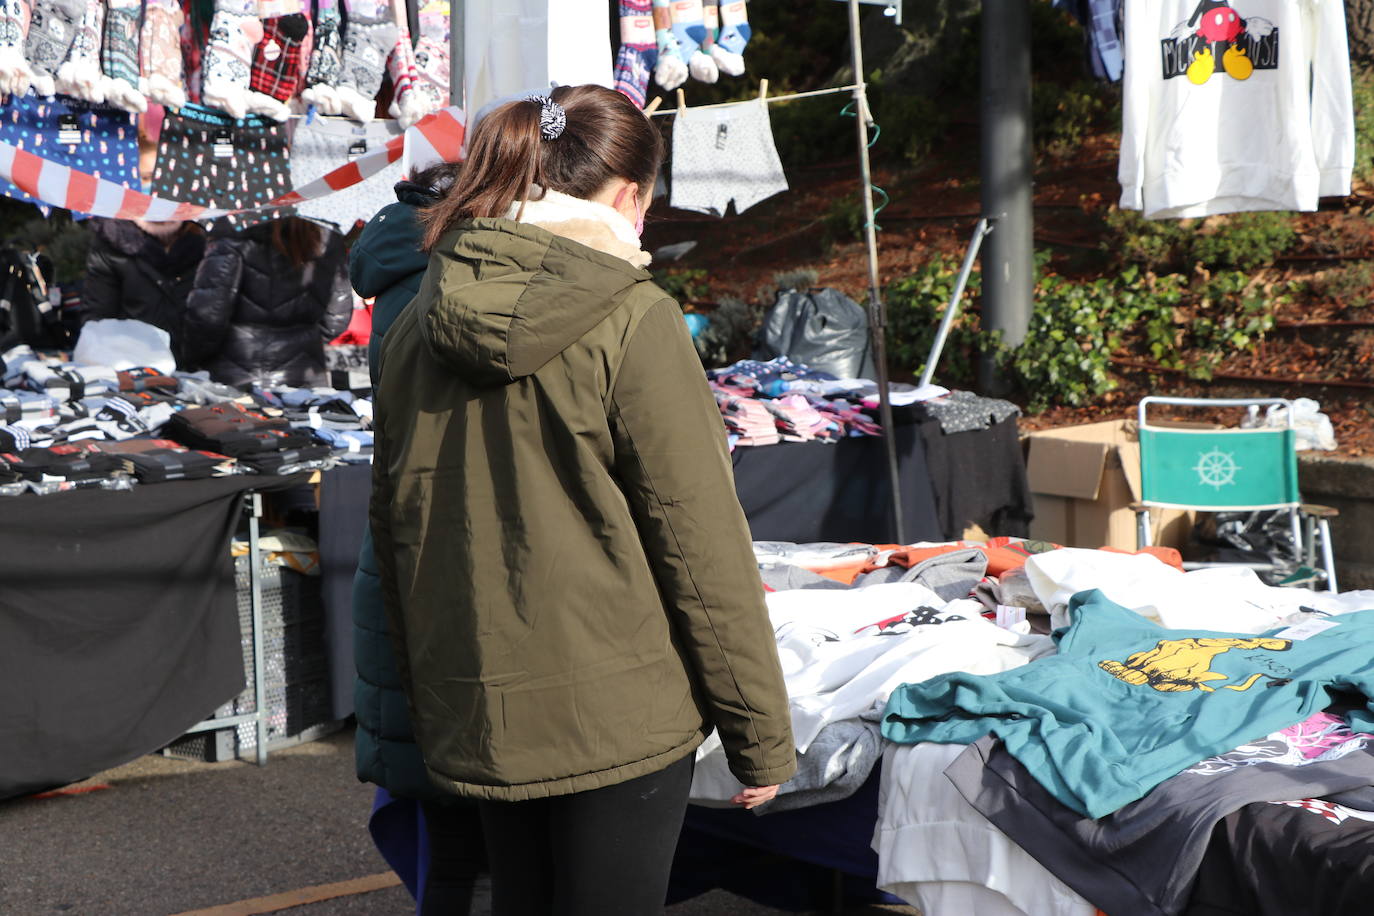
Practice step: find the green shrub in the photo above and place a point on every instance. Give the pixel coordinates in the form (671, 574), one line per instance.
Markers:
(1362, 86)
(843, 221)
(1078, 327)
(730, 334)
(683, 284)
(1243, 240)
(1062, 116)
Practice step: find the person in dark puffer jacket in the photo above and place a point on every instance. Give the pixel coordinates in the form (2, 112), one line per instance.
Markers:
(143, 271)
(266, 300)
(387, 263)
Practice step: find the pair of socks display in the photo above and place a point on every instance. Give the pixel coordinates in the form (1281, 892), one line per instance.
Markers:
(700, 38)
(254, 65)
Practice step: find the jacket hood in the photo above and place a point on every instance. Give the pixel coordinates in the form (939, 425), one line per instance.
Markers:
(128, 239)
(388, 251)
(417, 195)
(512, 296)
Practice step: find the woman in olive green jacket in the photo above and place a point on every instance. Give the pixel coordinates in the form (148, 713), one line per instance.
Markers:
(566, 569)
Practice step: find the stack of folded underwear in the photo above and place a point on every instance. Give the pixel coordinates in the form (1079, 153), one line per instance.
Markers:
(351, 445)
(289, 460)
(146, 378)
(229, 429)
(747, 421)
(798, 421)
(73, 462)
(161, 460)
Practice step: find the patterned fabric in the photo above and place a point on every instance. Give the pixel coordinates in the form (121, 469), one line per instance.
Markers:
(208, 159)
(159, 50)
(108, 145)
(321, 145)
(119, 50)
(324, 60)
(638, 49)
(436, 138)
(278, 63)
(724, 153)
(52, 28)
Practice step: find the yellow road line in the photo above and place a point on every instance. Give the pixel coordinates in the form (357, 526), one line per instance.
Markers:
(300, 896)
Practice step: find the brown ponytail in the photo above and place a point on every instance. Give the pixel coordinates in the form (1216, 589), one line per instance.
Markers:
(606, 137)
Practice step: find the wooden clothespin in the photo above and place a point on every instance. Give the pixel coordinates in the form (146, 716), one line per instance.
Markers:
(681, 102)
(763, 90)
(653, 106)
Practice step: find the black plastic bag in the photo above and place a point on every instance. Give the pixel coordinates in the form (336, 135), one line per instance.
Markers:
(1263, 536)
(821, 328)
(26, 315)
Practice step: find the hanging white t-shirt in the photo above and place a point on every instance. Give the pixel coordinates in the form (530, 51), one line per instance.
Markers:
(1235, 106)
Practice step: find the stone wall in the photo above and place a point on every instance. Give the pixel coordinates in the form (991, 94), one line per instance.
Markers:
(1346, 484)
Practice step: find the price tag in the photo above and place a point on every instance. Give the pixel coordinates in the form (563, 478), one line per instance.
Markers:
(358, 148)
(68, 130)
(1307, 628)
(1008, 616)
(223, 144)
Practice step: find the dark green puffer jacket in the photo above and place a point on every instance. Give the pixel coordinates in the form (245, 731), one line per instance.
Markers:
(567, 571)
(386, 263)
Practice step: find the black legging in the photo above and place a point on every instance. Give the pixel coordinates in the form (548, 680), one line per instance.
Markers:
(603, 852)
(457, 855)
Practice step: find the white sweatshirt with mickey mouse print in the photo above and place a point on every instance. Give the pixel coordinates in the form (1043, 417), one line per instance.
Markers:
(1233, 105)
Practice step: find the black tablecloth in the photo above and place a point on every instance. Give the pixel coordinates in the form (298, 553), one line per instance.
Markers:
(808, 491)
(118, 623)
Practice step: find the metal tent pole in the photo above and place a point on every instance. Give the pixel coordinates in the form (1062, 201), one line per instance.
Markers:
(877, 314)
(980, 232)
(1006, 172)
(457, 13)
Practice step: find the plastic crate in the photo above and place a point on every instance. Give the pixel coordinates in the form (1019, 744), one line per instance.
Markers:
(296, 689)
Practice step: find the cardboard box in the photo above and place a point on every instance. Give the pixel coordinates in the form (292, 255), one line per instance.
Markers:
(1083, 480)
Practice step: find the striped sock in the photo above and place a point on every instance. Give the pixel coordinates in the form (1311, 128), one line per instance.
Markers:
(638, 49)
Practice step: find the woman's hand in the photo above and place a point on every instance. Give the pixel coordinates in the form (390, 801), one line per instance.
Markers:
(753, 796)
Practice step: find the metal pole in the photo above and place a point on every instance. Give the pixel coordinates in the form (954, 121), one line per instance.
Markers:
(979, 232)
(877, 314)
(457, 11)
(1006, 173)
(255, 596)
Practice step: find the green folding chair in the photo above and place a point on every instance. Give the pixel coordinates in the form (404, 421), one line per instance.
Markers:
(1229, 470)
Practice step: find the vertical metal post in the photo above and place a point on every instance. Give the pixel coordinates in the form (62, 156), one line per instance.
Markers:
(877, 314)
(457, 12)
(255, 597)
(1006, 173)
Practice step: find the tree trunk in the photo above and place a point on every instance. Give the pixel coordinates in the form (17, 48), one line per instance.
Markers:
(1359, 25)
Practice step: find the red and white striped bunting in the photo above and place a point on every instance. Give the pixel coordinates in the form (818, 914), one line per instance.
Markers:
(438, 136)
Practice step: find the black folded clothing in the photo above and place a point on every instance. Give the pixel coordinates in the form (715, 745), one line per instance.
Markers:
(273, 462)
(74, 461)
(160, 460)
(231, 430)
(145, 378)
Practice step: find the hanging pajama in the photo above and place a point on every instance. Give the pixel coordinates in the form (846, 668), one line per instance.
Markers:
(322, 145)
(206, 158)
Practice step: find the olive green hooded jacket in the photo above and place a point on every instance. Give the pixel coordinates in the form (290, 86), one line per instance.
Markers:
(567, 573)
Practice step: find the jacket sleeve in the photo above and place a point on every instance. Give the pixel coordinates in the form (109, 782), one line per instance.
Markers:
(673, 465)
(100, 289)
(383, 544)
(210, 306)
(338, 312)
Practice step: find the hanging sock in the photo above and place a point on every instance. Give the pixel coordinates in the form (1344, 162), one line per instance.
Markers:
(278, 65)
(15, 75)
(159, 51)
(734, 35)
(407, 105)
(52, 28)
(689, 25)
(119, 55)
(431, 55)
(670, 70)
(79, 75)
(322, 76)
(638, 49)
(234, 33)
(711, 20)
(367, 43)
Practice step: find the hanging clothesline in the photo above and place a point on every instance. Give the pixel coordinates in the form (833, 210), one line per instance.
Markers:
(770, 99)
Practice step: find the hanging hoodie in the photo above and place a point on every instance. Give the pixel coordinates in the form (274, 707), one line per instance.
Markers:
(1232, 106)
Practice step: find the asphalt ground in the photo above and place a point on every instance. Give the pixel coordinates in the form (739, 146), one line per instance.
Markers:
(160, 836)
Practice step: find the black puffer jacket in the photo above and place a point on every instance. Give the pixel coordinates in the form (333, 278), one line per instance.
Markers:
(131, 274)
(253, 316)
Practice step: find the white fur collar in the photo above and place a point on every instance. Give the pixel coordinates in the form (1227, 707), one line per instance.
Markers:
(586, 221)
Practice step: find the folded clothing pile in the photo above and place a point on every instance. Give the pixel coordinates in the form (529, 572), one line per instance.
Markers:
(161, 460)
(57, 463)
(747, 421)
(351, 445)
(233, 430)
